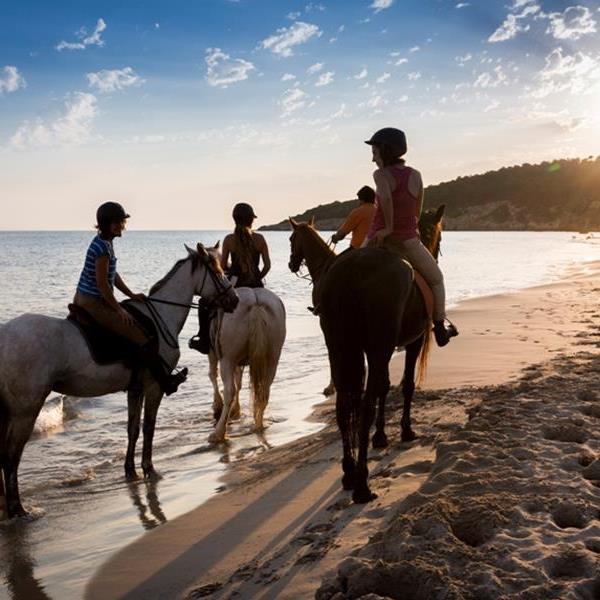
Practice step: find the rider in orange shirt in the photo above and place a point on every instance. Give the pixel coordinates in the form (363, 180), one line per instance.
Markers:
(359, 220)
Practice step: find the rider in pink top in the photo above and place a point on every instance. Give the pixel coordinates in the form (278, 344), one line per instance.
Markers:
(399, 203)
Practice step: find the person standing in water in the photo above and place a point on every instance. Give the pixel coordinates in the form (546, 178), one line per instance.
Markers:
(359, 220)
(247, 249)
(95, 294)
(399, 190)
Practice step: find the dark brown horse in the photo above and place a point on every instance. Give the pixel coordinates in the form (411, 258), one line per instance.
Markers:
(369, 305)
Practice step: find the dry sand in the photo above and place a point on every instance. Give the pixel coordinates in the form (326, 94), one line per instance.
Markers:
(494, 505)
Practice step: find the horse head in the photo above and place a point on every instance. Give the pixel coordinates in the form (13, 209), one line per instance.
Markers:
(300, 242)
(210, 281)
(430, 229)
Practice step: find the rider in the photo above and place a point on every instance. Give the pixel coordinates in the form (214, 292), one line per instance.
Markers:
(95, 294)
(395, 223)
(246, 248)
(359, 220)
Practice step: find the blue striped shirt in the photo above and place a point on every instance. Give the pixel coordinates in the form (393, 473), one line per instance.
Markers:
(87, 280)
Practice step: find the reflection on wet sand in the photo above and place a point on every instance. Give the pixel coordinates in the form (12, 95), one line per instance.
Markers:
(150, 505)
(17, 565)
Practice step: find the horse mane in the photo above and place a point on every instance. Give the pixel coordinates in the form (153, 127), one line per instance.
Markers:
(314, 234)
(162, 282)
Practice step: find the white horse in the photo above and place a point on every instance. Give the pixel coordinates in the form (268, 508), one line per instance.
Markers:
(40, 354)
(252, 335)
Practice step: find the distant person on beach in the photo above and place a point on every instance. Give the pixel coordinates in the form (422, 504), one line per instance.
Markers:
(359, 220)
(399, 190)
(247, 249)
(95, 294)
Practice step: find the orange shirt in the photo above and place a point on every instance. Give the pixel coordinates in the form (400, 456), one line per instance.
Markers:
(358, 222)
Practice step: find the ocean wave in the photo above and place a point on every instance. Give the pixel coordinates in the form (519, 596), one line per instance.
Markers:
(51, 416)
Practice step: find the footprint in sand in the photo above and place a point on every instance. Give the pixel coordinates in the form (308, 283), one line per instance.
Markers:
(566, 432)
(567, 514)
(570, 563)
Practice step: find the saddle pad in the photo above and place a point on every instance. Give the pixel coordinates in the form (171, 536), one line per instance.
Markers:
(425, 292)
(105, 346)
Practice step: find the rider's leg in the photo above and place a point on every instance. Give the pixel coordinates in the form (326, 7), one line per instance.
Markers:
(107, 318)
(423, 261)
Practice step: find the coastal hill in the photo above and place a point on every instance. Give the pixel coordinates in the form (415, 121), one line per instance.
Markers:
(562, 195)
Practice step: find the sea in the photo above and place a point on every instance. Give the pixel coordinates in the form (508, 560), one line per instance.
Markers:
(71, 475)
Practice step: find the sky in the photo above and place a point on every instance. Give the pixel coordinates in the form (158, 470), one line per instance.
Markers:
(180, 109)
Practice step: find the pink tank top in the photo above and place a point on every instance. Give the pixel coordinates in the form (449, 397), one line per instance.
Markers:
(405, 226)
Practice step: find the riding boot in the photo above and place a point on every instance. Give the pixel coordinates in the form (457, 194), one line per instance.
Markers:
(442, 333)
(168, 381)
(201, 341)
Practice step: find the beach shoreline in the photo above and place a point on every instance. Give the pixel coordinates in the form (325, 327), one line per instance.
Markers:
(282, 524)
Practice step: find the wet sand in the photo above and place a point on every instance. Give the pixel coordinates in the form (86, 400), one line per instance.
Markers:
(283, 525)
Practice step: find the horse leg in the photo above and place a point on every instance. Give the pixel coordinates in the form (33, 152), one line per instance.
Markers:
(380, 438)
(235, 411)
(408, 387)
(213, 375)
(362, 493)
(228, 376)
(152, 397)
(342, 411)
(18, 432)
(135, 398)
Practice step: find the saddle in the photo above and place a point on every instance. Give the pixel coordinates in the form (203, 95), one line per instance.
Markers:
(105, 346)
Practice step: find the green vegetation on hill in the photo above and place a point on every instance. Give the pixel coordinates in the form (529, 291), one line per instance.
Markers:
(559, 195)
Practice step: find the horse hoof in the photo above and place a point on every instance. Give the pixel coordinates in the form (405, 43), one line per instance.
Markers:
(131, 475)
(215, 438)
(408, 435)
(235, 416)
(380, 440)
(152, 475)
(363, 496)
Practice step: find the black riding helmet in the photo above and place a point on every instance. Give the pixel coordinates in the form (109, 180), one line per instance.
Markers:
(243, 213)
(393, 138)
(110, 212)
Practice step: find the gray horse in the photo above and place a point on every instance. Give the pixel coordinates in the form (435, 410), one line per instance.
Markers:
(40, 354)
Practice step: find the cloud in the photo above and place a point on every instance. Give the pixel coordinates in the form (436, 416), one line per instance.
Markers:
(292, 100)
(325, 79)
(414, 76)
(572, 24)
(512, 24)
(314, 68)
(401, 61)
(361, 75)
(11, 80)
(491, 80)
(341, 112)
(222, 70)
(286, 38)
(106, 81)
(462, 60)
(462, 5)
(415, 49)
(379, 5)
(287, 77)
(292, 16)
(383, 78)
(85, 40)
(312, 7)
(74, 127)
(576, 73)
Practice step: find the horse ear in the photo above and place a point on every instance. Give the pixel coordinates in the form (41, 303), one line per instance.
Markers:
(201, 250)
(312, 221)
(189, 250)
(217, 245)
(440, 212)
(293, 223)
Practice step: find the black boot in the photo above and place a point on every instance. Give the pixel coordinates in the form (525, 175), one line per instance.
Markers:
(201, 341)
(168, 381)
(443, 334)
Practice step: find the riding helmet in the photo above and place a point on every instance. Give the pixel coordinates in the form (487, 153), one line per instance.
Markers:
(243, 212)
(110, 212)
(394, 138)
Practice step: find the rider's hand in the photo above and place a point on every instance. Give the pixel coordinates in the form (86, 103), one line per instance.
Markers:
(334, 238)
(140, 297)
(380, 236)
(126, 317)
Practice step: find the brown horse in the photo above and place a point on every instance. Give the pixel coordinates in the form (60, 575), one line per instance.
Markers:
(362, 312)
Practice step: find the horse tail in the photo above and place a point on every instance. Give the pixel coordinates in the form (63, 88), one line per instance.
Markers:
(424, 354)
(259, 351)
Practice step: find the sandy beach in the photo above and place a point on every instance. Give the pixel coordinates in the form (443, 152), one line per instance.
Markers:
(497, 497)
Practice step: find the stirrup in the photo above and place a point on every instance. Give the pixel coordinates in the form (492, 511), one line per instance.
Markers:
(199, 344)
